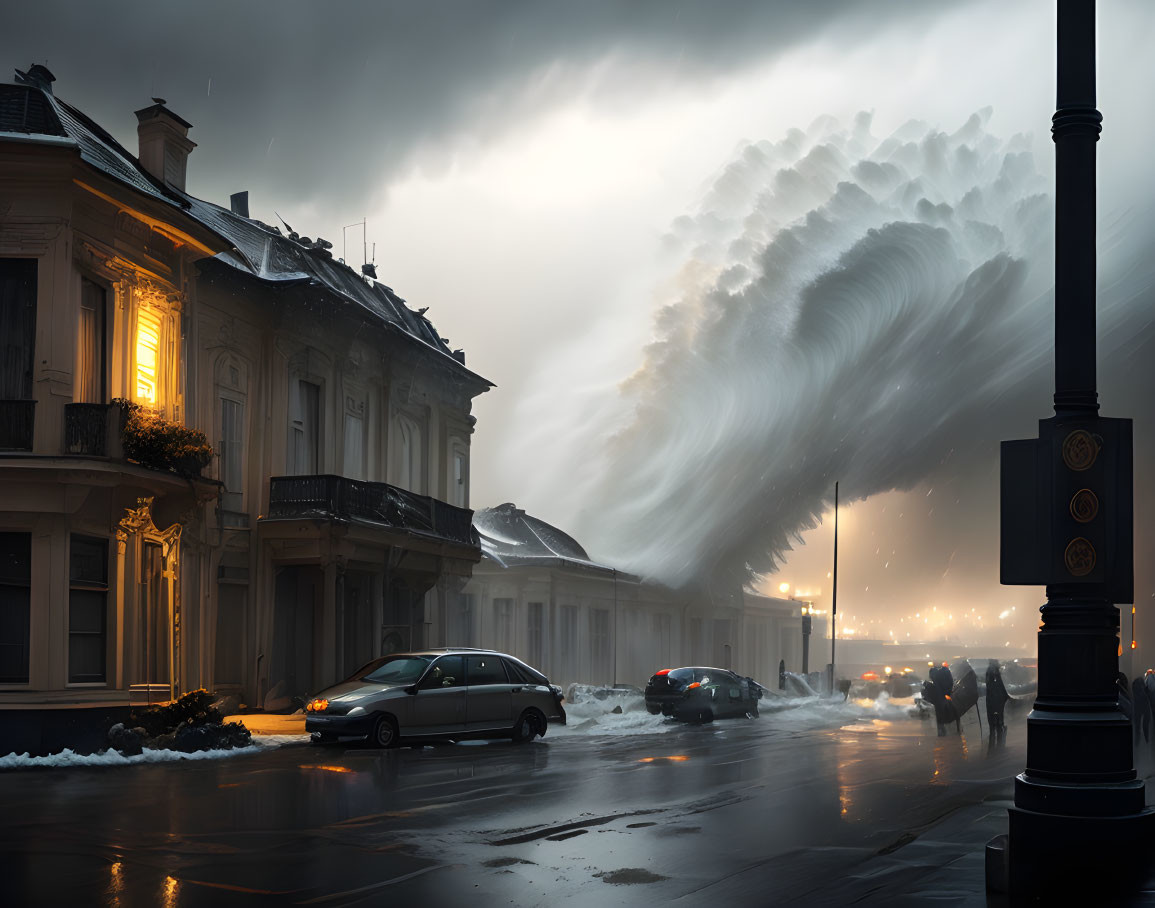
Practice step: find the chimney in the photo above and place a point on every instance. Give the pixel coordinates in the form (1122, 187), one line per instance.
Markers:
(164, 143)
(369, 269)
(39, 76)
(239, 203)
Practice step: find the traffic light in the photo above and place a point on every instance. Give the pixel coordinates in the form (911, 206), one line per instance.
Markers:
(1066, 515)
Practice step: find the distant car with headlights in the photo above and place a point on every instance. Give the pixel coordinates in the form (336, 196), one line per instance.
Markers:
(702, 694)
(436, 693)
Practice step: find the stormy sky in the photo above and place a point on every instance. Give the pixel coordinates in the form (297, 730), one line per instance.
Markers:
(684, 239)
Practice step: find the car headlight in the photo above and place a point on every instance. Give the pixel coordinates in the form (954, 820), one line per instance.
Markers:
(356, 711)
(320, 704)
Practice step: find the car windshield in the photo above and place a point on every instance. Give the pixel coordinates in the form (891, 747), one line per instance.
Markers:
(395, 669)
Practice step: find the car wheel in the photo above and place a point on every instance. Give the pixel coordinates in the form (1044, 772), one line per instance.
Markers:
(653, 710)
(527, 726)
(384, 733)
(753, 713)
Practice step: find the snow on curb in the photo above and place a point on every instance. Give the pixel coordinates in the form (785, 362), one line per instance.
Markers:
(271, 741)
(66, 758)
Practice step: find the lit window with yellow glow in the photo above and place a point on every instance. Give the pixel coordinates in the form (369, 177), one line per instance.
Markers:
(148, 328)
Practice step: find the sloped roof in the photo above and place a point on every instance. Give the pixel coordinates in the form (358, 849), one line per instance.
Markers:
(512, 538)
(257, 250)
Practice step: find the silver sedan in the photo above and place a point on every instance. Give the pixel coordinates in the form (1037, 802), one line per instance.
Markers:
(437, 693)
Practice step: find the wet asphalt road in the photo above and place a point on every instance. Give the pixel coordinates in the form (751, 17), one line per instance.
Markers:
(758, 811)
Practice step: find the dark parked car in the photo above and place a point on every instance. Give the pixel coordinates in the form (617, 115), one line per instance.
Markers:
(702, 694)
(437, 693)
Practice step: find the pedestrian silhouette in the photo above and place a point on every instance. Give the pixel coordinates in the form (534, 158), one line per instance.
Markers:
(938, 690)
(1140, 710)
(997, 698)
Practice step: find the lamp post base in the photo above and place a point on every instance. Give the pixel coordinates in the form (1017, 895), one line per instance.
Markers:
(1053, 854)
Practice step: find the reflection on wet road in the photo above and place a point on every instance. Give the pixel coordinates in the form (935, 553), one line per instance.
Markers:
(585, 819)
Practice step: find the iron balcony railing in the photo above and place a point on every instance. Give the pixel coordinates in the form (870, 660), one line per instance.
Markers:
(338, 498)
(86, 429)
(17, 418)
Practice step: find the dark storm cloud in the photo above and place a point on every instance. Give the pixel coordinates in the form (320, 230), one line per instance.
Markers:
(308, 101)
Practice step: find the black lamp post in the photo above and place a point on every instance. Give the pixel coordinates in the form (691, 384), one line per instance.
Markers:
(1078, 821)
(806, 625)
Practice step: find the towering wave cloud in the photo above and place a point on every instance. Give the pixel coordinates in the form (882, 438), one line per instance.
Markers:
(849, 308)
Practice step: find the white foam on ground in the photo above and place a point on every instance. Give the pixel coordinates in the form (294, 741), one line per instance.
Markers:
(66, 758)
(590, 716)
(596, 717)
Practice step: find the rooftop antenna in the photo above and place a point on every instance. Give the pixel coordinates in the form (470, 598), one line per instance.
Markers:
(345, 243)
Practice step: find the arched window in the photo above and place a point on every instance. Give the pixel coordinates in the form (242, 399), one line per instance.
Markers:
(410, 454)
(354, 436)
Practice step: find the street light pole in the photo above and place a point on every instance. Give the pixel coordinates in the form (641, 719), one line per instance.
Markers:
(834, 593)
(1078, 820)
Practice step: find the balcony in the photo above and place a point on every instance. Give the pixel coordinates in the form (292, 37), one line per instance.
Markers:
(86, 429)
(337, 498)
(17, 418)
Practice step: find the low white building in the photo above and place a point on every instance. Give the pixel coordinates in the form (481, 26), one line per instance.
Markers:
(537, 594)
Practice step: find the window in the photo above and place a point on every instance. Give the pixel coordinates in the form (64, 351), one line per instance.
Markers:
(149, 324)
(305, 428)
(660, 630)
(568, 643)
(534, 645)
(520, 672)
(460, 619)
(87, 607)
(600, 639)
(697, 645)
(411, 469)
(503, 623)
(448, 671)
(15, 605)
(485, 670)
(457, 494)
(17, 327)
(354, 447)
(90, 344)
(395, 669)
(232, 446)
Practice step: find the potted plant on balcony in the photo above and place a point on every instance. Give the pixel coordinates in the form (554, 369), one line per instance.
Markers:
(162, 445)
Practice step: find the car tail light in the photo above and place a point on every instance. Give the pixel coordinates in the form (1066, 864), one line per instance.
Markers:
(664, 671)
(692, 686)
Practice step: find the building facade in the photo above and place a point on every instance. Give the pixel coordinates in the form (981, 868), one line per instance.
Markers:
(332, 522)
(537, 594)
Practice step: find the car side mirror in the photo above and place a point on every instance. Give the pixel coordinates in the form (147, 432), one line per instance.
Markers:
(411, 689)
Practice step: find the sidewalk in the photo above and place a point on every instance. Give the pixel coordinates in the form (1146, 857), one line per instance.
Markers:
(941, 864)
(270, 723)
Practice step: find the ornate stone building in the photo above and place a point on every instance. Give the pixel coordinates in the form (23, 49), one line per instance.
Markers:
(332, 522)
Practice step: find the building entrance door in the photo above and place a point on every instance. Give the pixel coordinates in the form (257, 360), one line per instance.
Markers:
(295, 610)
(155, 626)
